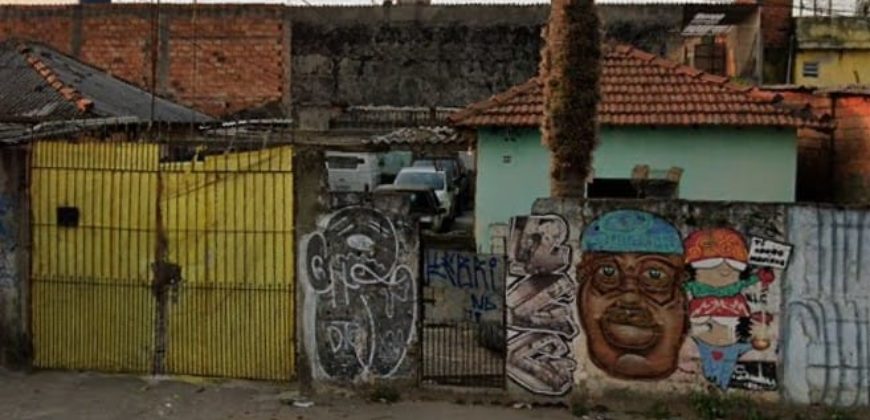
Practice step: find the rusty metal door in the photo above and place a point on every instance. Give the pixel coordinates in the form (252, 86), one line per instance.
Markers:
(163, 259)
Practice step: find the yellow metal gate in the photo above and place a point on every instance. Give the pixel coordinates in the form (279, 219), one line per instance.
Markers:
(151, 258)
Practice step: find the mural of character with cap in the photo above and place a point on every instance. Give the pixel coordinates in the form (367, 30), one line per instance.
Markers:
(721, 320)
(631, 300)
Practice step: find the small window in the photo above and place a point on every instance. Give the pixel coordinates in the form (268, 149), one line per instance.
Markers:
(343, 162)
(811, 69)
(611, 188)
(68, 216)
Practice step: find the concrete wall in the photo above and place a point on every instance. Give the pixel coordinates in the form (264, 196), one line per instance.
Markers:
(462, 286)
(610, 285)
(840, 46)
(836, 67)
(15, 349)
(826, 349)
(668, 297)
(719, 164)
(359, 276)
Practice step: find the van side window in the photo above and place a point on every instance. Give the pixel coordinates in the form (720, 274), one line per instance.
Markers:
(343, 162)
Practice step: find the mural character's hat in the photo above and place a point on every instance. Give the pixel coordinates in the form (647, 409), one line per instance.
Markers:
(631, 231)
(710, 248)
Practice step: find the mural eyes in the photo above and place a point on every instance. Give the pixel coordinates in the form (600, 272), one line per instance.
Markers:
(656, 277)
(607, 277)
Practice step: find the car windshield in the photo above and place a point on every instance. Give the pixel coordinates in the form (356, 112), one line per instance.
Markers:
(440, 164)
(432, 180)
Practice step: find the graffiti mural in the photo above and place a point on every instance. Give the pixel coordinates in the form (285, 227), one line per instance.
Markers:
(8, 242)
(540, 302)
(728, 291)
(631, 302)
(464, 286)
(361, 296)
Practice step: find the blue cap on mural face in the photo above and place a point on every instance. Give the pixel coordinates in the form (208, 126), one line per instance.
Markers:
(631, 231)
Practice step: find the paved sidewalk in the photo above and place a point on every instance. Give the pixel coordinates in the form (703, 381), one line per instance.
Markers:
(91, 396)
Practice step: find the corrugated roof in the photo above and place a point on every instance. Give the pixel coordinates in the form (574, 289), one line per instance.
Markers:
(39, 83)
(417, 136)
(638, 88)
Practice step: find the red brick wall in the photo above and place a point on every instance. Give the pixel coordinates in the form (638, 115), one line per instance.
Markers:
(52, 26)
(119, 44)
(224, 65)
(238, 64)
(776, 23)
(851, 152)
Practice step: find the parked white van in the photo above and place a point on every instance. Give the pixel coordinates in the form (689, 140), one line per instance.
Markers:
(349, 171)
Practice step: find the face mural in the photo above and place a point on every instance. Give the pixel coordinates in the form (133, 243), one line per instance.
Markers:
(727, 302)
(631, 302)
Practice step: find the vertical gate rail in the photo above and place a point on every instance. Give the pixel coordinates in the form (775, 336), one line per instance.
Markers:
(164, 257)
(228, 218)
(93, 241)
(461, 352)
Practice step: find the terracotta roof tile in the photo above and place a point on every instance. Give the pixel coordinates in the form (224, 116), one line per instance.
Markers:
(639, 88)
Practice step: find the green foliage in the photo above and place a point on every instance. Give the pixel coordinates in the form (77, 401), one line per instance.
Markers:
(385, 394)
(579, 409)
(838, 414)
(711, 406)
(659, 410)
(570, 70)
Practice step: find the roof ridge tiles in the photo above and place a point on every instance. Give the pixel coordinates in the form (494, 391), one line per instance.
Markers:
(51, 78)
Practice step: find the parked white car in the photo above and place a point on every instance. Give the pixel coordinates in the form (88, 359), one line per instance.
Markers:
(360, 172)
(436, 180)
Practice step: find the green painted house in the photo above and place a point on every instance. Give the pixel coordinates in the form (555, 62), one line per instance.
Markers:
(731, 142)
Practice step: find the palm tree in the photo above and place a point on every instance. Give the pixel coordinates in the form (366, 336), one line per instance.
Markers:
(570, 67)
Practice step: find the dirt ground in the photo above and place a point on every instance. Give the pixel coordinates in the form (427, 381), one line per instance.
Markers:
(94, 396)
(74, 396)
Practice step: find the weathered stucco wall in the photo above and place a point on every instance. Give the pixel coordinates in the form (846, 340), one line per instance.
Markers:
(668, 297)
(14, 343)
(463, 286)
(359, 276)
(622, 291)
(826, 348)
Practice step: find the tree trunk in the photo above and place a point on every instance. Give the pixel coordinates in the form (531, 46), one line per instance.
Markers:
(570, 67)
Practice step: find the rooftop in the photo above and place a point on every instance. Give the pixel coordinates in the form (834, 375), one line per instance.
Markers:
(38, 83)
(639, 88)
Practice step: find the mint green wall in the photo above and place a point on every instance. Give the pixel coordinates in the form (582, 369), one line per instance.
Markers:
(728, 164)
(504, 190)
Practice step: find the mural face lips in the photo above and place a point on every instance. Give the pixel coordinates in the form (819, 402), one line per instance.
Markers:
(630, 327)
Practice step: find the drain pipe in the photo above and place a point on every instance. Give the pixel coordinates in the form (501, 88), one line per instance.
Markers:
(789, 71)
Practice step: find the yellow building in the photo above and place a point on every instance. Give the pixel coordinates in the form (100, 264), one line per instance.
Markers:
(832, 51)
